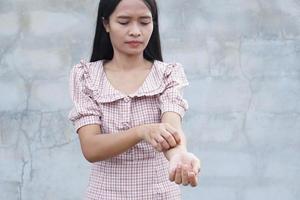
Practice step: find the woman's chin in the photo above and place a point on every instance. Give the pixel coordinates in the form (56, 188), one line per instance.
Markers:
(136, 52)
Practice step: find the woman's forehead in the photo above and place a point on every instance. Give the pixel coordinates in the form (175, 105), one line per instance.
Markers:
(132, 8)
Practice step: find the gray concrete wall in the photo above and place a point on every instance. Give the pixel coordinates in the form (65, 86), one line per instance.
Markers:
(241, 58)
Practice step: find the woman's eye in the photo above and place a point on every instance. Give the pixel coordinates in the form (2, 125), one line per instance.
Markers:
(145, 23)
(123, 23)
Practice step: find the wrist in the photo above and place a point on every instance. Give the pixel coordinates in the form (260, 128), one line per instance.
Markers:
(176, 150)
(140, 131)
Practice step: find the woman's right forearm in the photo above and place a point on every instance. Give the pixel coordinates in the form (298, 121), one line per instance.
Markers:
(104, 146)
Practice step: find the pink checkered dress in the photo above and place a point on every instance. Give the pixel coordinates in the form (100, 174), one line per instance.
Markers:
(141, 172)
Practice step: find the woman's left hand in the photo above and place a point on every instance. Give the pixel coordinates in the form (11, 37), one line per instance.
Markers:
(184, 168)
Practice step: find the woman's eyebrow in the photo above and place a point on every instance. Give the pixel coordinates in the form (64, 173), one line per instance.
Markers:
(123, 17)
(128, 17)
(145, 17)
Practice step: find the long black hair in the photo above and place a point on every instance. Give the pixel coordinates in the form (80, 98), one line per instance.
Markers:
(102, 47)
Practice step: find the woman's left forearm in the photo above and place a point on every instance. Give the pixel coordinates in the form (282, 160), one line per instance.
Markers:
(179, 148)
(175, 120)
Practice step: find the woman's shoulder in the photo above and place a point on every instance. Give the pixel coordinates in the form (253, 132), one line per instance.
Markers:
(87, 70)
(87, 73)
(166, 68)
(87, 67)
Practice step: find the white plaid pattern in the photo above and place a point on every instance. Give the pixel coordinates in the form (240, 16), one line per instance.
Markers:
(141, 172)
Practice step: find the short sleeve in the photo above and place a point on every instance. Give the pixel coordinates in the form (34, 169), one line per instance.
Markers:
(85, 109)
(172, 97)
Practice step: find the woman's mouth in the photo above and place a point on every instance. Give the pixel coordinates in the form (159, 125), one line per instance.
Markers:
(134, 43)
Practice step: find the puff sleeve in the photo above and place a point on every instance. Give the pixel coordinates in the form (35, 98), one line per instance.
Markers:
(85, 109)
(172, 97)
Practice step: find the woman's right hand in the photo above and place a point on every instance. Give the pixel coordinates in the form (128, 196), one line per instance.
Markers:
(162, 136)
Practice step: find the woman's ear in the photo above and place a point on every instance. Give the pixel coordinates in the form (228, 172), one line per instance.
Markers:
(105, 24)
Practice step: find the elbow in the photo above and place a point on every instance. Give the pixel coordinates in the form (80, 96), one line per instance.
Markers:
(91, 151)
(92, 157)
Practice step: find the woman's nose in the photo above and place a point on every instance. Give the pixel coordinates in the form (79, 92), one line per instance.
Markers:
(135, 30)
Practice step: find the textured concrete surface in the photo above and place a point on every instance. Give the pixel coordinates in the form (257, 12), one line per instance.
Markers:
(242, 59)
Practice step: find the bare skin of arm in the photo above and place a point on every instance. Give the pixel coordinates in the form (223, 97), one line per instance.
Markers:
(97, 146)
(184, 166)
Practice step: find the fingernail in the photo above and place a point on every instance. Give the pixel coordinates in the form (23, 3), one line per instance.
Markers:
(191, 174)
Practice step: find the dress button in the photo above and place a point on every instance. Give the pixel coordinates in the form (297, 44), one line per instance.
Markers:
(125, 124)
(126, 99)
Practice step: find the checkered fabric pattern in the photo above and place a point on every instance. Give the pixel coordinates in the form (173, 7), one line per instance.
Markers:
(141, 172)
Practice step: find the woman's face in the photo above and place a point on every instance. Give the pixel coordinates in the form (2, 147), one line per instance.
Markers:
(130, 27)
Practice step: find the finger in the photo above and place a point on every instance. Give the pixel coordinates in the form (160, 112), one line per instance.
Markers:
(177, 137)
(172, 174)
(196, 165)
(156, 145)
(193, 180)
(169, 138)
(184, 175)
(178, 175)
(159, 147)
(174, 132)
(163, 143)
(153, 143)
(158, 138)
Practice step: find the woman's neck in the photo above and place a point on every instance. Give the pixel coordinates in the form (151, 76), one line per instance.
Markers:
(128, 63)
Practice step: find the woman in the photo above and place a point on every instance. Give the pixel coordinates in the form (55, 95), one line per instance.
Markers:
(128, 108)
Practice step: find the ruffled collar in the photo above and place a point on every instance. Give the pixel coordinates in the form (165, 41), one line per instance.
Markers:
(102, 90)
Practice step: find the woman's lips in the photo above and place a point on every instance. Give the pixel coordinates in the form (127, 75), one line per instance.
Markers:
(134, 43)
